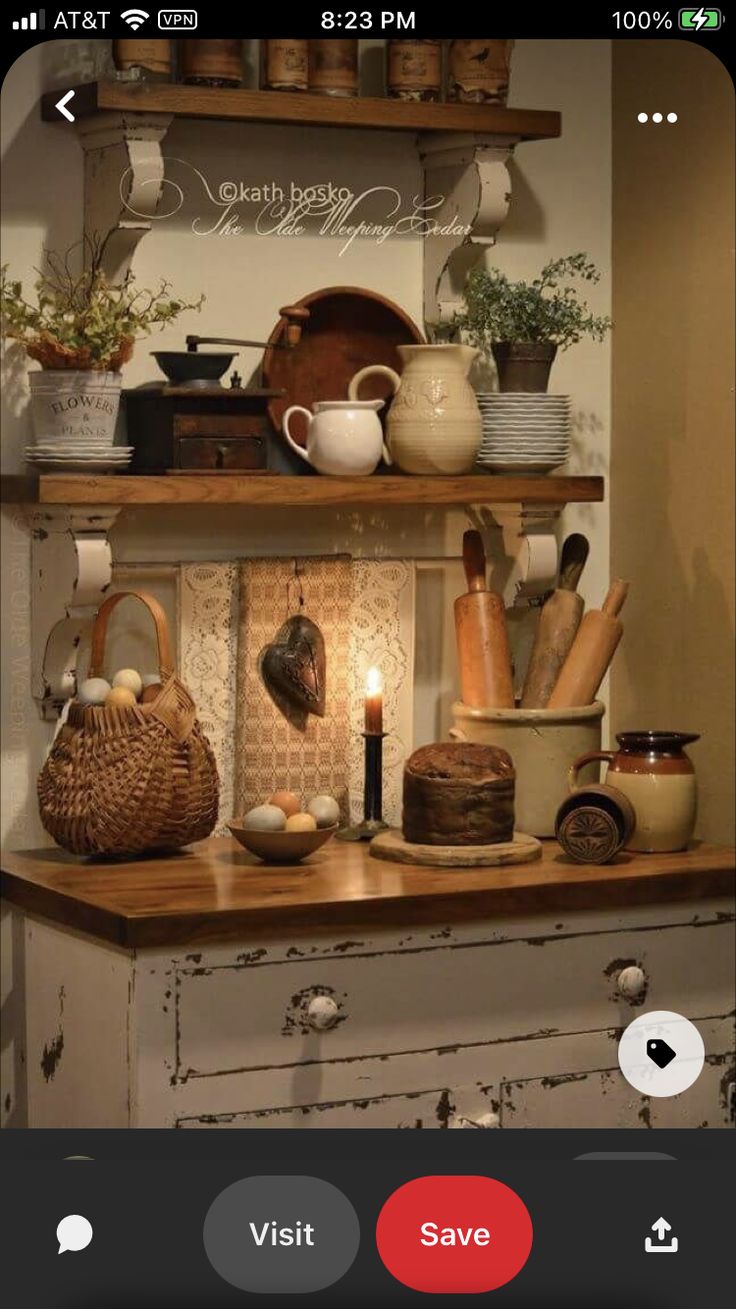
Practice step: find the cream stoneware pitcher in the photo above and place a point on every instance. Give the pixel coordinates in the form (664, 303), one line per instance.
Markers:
(434, 423)
(344, 437)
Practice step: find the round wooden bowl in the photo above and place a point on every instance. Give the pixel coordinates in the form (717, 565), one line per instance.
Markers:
(348, 327)
(281, 847)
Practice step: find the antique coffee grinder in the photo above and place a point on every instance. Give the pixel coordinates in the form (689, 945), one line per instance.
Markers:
(191, 423)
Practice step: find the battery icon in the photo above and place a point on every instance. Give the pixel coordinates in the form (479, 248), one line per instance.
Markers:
(699, 20)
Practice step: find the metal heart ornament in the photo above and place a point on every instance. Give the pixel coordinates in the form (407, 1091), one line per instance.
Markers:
(293, 668)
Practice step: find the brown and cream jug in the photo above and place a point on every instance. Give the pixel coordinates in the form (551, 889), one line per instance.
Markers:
(653, 770)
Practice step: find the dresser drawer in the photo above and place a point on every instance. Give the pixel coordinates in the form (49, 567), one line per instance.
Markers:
(250, 1016)
(604, 1099)
(432, 1108)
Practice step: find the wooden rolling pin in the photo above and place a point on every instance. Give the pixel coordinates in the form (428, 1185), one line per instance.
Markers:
(483, 651)
(557, 626)
(591, 653)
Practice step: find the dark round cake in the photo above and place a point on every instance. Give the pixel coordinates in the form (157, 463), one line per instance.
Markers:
(458, 794)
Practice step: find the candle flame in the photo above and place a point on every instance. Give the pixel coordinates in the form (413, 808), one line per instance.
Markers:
(373, 682)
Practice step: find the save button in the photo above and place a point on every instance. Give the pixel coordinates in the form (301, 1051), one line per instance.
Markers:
(454, 1235)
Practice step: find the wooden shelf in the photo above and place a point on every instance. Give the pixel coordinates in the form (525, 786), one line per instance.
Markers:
(303, 110)
(284, 491)
(216, 890)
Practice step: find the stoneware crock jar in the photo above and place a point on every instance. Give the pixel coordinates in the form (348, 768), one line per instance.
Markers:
(652, 769)
(434, 423)
(344, 437)
(542, 744)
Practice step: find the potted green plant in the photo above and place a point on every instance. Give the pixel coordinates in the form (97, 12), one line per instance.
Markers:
(523, 324)
(81, 329)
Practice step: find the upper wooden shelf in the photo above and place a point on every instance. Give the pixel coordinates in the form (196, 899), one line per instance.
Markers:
(275, 491)
(305, 110)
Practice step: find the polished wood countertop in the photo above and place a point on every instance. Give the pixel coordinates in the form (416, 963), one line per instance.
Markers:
(215, 890)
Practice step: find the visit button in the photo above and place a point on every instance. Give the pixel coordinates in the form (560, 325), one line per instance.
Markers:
(454, 1235)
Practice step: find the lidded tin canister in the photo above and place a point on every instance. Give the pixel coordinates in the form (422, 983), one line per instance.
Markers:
(478, 71)
(333, 67)
(284, 65)
(414, 70)
(212, 63)
(150, 60)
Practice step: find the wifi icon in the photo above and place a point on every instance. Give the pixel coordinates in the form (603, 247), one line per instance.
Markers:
(135, 18)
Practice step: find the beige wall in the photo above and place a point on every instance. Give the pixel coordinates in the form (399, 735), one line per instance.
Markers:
(561, 202)
(672, 449)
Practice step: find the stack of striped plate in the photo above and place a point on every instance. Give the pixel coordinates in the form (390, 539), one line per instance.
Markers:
(524, 431)
(77, 456)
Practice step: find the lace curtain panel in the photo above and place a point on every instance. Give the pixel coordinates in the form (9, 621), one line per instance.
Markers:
(365, 608)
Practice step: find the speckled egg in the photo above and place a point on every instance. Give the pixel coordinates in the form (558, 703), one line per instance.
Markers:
(265, 818)
(324, 809)
(130, 679)
(93, 690)
(301, 823)
(286, 801)
(120, 697)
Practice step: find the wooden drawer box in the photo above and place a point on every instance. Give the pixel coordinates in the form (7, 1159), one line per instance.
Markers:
(439, 996)
(225, 442)
(223, 454)
(208, 429)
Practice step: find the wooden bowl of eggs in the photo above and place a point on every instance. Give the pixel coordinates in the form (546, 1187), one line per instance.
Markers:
(281, 832)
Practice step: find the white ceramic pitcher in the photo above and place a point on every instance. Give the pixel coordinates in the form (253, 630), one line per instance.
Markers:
(344, 437)
(434, 423)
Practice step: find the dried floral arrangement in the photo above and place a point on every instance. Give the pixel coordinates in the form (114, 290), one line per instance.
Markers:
(81, 320)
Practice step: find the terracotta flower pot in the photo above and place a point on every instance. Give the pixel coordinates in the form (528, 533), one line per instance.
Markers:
(523, 365)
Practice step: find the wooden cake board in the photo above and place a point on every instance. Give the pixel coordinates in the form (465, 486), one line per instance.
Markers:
(392, 846)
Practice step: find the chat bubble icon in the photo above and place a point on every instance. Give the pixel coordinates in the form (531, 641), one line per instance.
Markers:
(73, 1233)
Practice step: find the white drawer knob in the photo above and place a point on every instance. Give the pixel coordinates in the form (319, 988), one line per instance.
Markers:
(322, 1013)
(632, 982)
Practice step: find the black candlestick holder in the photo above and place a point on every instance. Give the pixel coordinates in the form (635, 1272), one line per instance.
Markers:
(372, 822)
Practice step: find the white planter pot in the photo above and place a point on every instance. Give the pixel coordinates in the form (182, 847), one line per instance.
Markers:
(543, 743)
(69, 406)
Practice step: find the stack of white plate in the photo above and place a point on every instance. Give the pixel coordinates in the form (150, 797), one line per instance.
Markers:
(77, 456)
(524, 431)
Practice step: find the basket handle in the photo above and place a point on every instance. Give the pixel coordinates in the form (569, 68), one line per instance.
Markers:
(99, 632)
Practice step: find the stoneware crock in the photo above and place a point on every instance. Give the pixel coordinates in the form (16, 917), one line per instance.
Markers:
(542, 744)
(652, 769)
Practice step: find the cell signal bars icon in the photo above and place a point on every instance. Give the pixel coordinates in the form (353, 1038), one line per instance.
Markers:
(135, 18)
(35, 22)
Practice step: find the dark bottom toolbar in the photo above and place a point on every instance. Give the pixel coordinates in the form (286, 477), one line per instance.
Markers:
(366, 1217)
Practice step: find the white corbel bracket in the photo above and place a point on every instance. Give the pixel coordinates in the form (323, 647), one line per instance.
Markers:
(529, 550)
(123, 182)
(470, 175)
(71, 569)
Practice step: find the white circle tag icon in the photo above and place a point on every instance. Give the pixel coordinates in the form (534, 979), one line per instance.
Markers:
(661, 1053)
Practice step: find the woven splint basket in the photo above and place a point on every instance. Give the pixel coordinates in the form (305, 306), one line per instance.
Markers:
(121, 781)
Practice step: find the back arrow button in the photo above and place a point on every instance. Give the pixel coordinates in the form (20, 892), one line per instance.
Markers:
(61, 105)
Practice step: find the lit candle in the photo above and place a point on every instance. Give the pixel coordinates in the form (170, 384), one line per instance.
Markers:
(373, 703)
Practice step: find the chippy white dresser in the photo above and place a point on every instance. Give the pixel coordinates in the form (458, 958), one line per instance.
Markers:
(202, 990)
